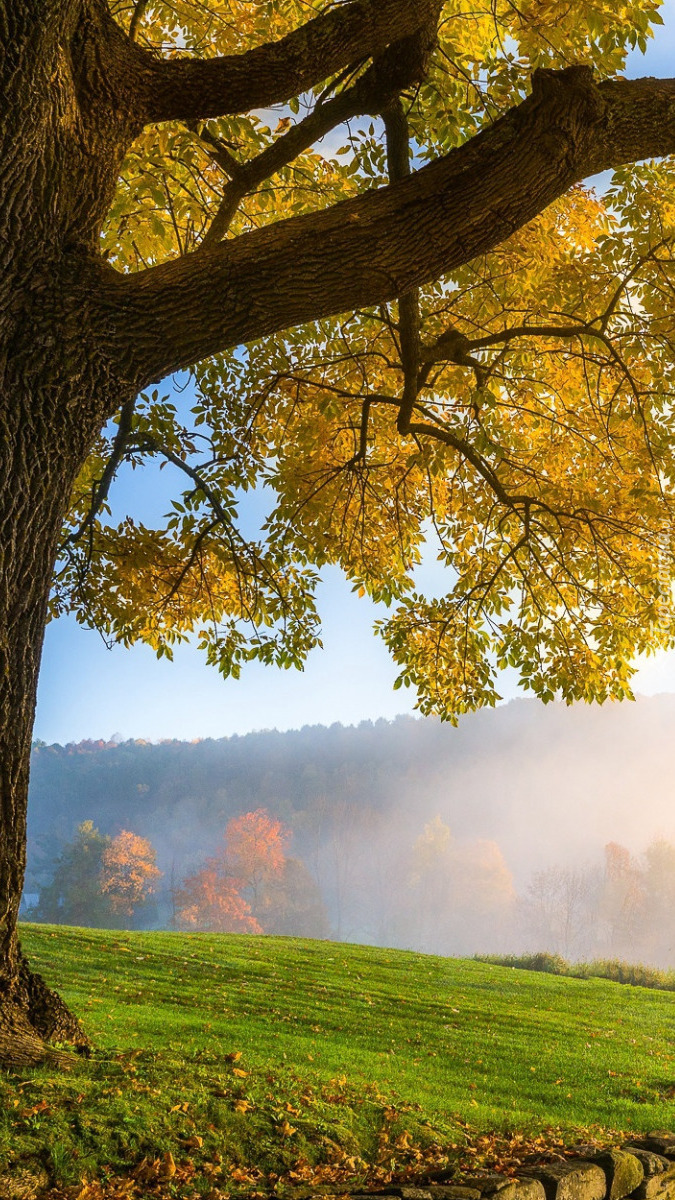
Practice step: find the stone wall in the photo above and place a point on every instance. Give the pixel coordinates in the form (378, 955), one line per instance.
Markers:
(643, 1169)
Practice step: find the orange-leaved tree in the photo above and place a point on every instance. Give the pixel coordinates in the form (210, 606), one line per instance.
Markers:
(128, 872)
(211, 900)
(256, 846)
(229, 892)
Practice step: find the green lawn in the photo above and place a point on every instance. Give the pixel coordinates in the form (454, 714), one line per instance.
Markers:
(348, 1053)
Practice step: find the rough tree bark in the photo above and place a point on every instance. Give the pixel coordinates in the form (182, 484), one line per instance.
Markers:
(57, 385)
(78, 340)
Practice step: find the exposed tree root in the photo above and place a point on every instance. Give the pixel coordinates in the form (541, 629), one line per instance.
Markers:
(31, 1018)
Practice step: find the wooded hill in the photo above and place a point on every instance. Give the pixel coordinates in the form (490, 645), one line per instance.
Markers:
(547, 784)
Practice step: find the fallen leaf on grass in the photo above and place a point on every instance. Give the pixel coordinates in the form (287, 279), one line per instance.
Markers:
(40, 1107)
(239, 1073)
(240, 1175)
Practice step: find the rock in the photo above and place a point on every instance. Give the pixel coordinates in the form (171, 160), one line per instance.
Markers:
(372, 1196)
(488, 1183)
(25, 1183)
(623, 1172)
(491, 1183)
(661, 1186)
(447, 1191)
(652, 1164)
(659, 1142)
(575, 1179)
(414, 1193)
(528, 1189)
(500, 1187)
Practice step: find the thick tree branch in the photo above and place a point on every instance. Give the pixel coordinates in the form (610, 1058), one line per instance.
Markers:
(191, 89)
(384, 243)
(136, 18)
(402, 65)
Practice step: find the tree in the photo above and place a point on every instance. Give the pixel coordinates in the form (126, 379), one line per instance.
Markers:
(294, 906)
(461, 896)
(98, 879)
(561, 910)
(212, 901)
(441, 326)
(255, 851)
(74, 895)
(658, 884)
(622, 902)
(230, 893)
(128, 872)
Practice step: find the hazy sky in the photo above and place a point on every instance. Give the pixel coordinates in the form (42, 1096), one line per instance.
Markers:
(89, 691)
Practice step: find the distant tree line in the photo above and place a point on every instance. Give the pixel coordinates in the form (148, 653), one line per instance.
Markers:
(437, 893)
(250, 885)
(372, 834)
(623, 908)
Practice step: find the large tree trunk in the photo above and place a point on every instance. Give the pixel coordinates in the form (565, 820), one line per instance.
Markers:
(63, 133)
(31, 500)
(39, 466)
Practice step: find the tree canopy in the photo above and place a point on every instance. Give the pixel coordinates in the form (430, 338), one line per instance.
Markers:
(447, 335)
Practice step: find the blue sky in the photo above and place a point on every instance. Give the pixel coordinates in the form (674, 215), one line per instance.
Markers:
(89, 691)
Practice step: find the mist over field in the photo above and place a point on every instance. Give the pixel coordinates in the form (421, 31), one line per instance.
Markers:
(488, 838)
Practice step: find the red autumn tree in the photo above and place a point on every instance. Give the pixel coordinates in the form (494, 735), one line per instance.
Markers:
(229, 893)
(255, 850)
(128, 872)
(211, 901)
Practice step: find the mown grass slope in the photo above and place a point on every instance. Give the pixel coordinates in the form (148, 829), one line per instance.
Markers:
(274, 1054)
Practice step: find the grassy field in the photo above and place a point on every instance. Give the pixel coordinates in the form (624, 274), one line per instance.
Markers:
(256, 1058)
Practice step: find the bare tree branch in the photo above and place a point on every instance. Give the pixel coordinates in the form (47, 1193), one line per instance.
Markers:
(102, 490)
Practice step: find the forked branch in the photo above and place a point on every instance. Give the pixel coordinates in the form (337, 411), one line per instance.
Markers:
(402, 65)
(199, 89)
(384, 243)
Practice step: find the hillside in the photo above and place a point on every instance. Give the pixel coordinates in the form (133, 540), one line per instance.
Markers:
(259, 1055)
(544, 781)
(519, 789)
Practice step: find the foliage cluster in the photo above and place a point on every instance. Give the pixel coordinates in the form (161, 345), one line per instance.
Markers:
(614, 969)
(251, 885)
(538, 450)
(100, 880)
